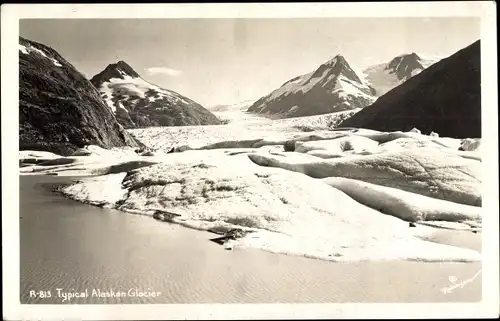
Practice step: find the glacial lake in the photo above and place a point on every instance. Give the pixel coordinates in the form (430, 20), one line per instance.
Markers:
(72, 249)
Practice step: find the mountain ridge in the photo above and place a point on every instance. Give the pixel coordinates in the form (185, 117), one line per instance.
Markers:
(139, 103)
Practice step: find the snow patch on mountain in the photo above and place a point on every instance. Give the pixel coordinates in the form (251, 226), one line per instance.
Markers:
(28, 49)
(346, 87)
(135, 87)
(292, 86)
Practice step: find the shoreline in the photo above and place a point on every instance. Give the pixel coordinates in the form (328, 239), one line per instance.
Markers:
(470, 239)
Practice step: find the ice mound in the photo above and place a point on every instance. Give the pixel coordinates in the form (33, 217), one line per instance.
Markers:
(29, 154)
(93, 150)
(443, 175)
(335, 143)
(89, 160)
(251, 143)
(471, 144)
(286, 212)
(274, 140)
(410, 142)
(383, 137)
(338, 145)
(101, 190)
(405, 205)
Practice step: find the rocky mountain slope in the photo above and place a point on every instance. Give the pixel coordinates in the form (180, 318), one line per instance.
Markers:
(333, 87)
(386, 76)
(59, 109)
(444, 98)
(138, 103)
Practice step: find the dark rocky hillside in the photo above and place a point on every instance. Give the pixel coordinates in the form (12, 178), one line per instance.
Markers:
(59, 109)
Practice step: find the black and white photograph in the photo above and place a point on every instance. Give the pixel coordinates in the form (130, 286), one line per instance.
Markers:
(239, 158)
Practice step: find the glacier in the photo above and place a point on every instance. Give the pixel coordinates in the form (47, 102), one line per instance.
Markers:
(339, 195)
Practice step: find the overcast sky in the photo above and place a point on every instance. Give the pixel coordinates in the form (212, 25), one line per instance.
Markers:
(220, 61)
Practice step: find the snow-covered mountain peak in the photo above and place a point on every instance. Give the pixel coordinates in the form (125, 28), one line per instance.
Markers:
(334, 86)
(119, 70)
(405, 66)
(335, 67)
(384, 77)
(412, 55)
(337, 59)
(139, 103)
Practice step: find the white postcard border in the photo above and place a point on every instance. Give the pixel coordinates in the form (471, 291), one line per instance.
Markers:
(13, 310)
